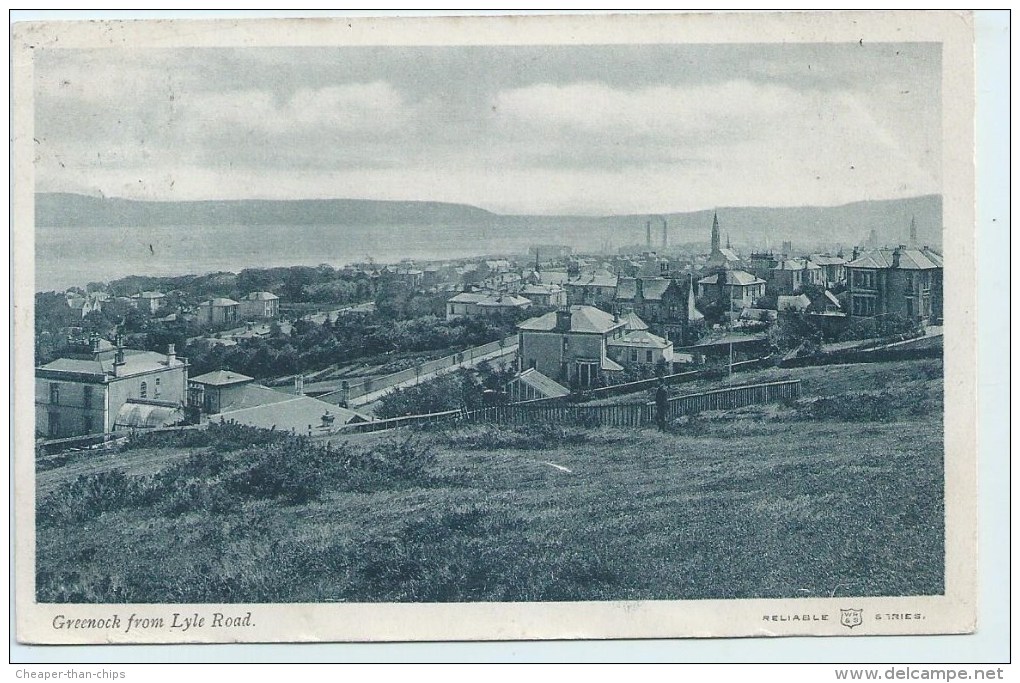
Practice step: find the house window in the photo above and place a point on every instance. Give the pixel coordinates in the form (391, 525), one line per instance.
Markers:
(54, 423)
(87, 398)
(864, 305)
(155, 389)
(144, 391)
(88, 424)
(633, 355)
(865, 279)
(648, 356)
(566, 343)
(54, 392)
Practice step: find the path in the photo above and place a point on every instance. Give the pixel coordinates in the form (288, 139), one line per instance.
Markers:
(373, 396)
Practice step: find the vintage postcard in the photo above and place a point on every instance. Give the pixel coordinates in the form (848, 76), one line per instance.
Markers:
(494, 328)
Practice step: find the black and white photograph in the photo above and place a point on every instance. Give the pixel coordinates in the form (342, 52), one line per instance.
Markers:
(554, 328)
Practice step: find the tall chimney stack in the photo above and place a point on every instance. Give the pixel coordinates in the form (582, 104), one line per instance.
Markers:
(563, 320)
(665, 233)
(913, 232)
(648, 234)
(118, 357)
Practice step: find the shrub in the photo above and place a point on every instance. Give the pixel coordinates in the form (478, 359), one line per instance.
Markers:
(89, 496)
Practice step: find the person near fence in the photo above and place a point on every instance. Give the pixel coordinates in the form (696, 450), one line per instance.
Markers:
(661, 405)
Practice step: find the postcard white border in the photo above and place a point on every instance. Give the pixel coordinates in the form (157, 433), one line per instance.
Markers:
(952, 613)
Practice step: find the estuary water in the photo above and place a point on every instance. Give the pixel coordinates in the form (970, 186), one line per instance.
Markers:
(66, 257)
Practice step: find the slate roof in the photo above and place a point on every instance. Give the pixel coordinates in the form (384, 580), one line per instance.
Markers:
(220, 301)
(253, 395)
(796, 264)
(825, 260)
(910, 259)
(295, 412)
(541, 289)
(641, 339)
(540, 383)
(582, 319)
(468, 297)
(261, 296)
(600, 278)
(505, 301)
(724, 339)
(221, 378)
(759, 314)
(800, 302)
(633, 322)
(553, 277)
(729, 255)
(135, 363)
(733, 277)
(652, 288)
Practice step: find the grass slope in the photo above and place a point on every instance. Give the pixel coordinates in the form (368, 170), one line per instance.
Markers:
(765, 502)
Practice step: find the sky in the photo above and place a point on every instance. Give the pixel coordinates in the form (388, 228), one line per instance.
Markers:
(589, 130)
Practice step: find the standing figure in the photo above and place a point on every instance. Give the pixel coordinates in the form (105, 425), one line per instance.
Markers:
(661, 405)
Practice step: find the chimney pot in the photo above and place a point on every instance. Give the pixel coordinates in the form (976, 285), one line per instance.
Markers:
(563, 320)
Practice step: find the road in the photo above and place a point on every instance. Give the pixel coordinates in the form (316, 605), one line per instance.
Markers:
(373, 396)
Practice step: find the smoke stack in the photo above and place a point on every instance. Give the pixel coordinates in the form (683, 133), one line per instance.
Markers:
(665, 233)
(118, 357)
(896, 255)
(648, 234)
(913, 232)
(563, 320)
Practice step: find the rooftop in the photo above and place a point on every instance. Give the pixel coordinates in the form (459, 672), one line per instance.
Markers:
(733, 277)
(220, 378)
(582, 319)
(910, 259)
(135, 363)
(641, 339)
(261, 296)
(542, 384)
(220, 301)
(294, 412)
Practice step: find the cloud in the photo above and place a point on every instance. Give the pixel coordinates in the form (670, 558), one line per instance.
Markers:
(373, 106)
(586, 131)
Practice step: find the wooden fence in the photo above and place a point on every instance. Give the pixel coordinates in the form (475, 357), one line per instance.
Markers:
(639, 414)
(623, 415)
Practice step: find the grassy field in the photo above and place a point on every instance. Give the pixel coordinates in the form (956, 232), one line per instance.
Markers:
(839, 495)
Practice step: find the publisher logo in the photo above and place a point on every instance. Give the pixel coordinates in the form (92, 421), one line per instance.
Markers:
(851, 617)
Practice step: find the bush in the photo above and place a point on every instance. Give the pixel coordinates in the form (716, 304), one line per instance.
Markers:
(89, 496)
(853, 407)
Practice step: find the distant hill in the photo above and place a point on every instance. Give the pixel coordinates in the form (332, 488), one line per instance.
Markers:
(747, 227)
(59, 210)
(752, 227)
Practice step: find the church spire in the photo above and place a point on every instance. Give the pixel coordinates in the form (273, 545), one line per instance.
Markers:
(715, 232)
(728, 241)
